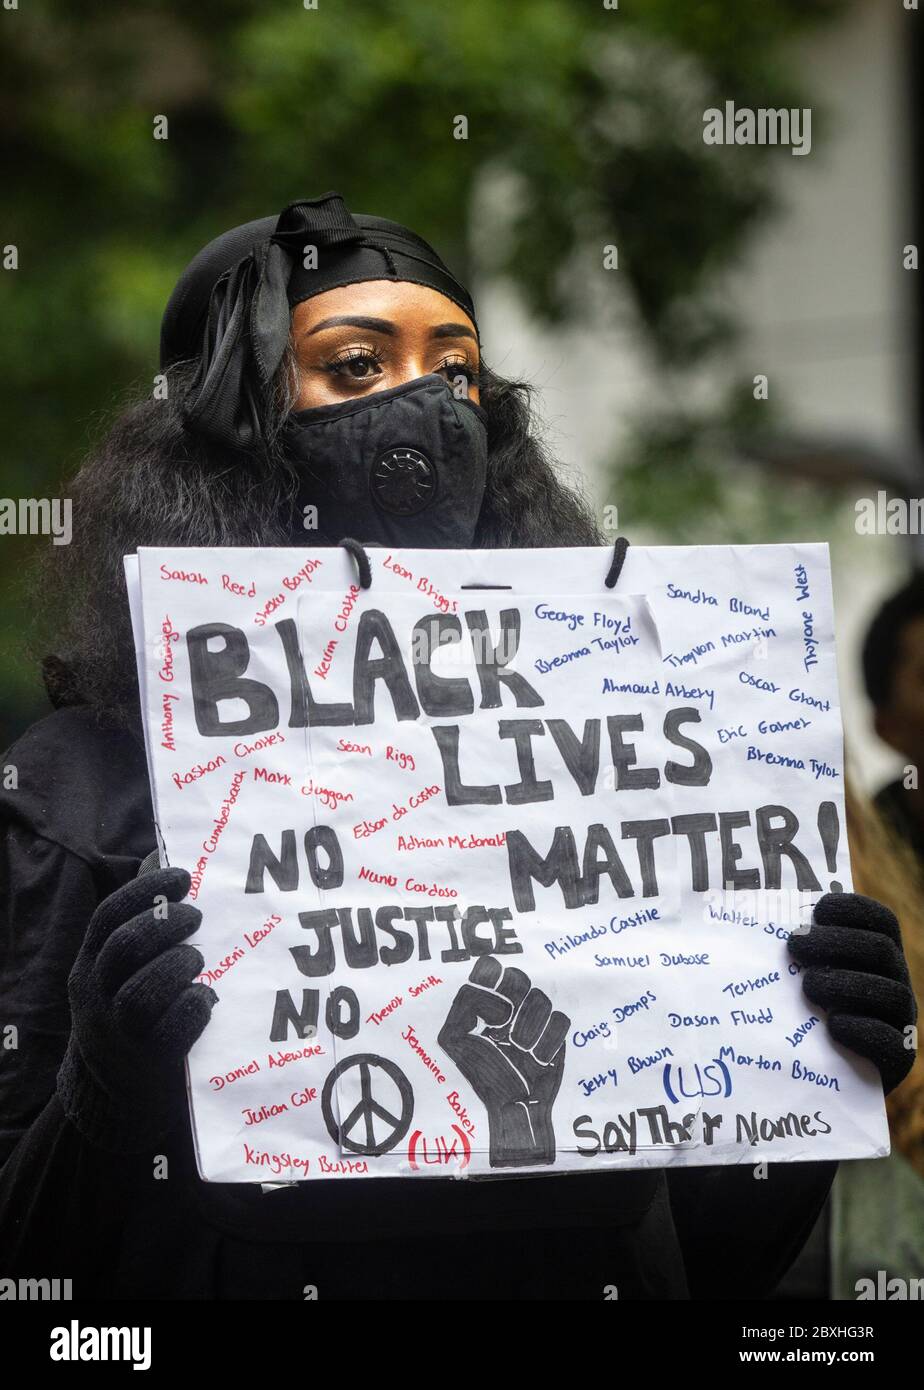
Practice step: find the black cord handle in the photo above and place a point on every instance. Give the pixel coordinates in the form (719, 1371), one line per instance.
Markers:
(617, 562)
(358, 551)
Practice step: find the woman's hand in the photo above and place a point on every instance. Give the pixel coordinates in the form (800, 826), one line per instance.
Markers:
(855, 969)
(135, 1013)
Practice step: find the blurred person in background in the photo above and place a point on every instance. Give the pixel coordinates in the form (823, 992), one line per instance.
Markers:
(893, 673)
(284, 384)
(877, 1205)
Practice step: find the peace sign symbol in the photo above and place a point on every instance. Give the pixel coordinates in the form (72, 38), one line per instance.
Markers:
(368, 1107)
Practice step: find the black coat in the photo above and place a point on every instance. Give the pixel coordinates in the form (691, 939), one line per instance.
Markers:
(74, 829)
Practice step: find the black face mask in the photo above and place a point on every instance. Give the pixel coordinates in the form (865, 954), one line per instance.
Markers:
(403, 467)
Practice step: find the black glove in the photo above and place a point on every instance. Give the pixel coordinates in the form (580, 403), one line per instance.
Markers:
(135, 1013)
(855, 969)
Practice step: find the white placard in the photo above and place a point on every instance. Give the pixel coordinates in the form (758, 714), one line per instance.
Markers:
(497, 864)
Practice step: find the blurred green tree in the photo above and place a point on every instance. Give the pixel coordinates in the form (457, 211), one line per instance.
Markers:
(589, 119)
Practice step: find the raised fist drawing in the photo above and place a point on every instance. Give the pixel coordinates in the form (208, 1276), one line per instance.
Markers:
(509, 1044)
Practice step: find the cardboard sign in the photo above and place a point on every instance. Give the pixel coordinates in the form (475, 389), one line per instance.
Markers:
(497, 865)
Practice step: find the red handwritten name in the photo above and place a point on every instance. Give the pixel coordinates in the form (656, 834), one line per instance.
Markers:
(378, 1015)
(290, 583)
(424, 586)
(170, 635)
(343, 746)
(185, 779)
(342, 620)
(264, 774)
(269, 1112)
(367, 827)
(166, 726)
(432, 890)
(184, 576)
(282, 1059)
(218, 1083)
(244, 750)
(231, 586)
(277, 1163)
(210, 844)
(327, 796)
(322, 670)
(263, 932)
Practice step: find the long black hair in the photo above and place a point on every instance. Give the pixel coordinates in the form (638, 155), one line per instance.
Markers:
(150, 482)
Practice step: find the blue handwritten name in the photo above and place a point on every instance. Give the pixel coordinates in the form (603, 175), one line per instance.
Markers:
(748, 610)
(692, 595)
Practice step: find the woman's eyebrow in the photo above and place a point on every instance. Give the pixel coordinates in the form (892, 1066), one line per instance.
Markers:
(452, 330)
(354, 321)
(439, 330)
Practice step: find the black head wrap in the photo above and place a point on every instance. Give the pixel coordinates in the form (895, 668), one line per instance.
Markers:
(231, 306)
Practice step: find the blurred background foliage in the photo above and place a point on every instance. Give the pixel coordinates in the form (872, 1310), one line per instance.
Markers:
(589, 118)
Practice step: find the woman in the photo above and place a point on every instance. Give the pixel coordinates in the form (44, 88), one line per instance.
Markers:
(294, 350)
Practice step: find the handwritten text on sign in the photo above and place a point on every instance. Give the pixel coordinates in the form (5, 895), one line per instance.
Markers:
(501, 878)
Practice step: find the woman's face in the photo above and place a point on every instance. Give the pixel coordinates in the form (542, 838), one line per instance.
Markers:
(353, 341)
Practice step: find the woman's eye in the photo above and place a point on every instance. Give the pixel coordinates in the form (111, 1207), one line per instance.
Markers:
(358, 366)
(454, 369)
